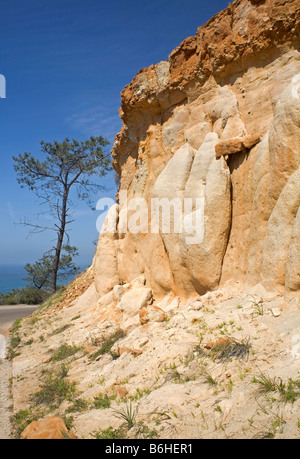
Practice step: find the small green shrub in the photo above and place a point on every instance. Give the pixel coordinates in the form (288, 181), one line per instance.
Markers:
(55, 390)
(258, 307)
(288, 391)
(21, 420)
(79, 405)
(14, 341)
(144, 432)
(62, 329)
(65, 351)
(101, 402)
(128, 414)
(265, 383)
(16, 326)
(110, 434)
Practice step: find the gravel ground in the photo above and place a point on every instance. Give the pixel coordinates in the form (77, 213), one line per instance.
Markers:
(5, 400)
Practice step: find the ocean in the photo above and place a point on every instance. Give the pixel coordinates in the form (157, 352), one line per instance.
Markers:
(11, 277)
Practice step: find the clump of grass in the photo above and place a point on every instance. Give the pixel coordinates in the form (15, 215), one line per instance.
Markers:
(16, 326)
(63, 372)
(110, 434)
(12, 349)
(101, 402)
(108, 344)
(258, 307)
(68, 420)
(14, 341)
(209, 379)
(79, 405)
(270, 430)
(21, 420)
(55, 390)
(145, 432)
(65, 351)
(173, 375)
(76, 317)
(288, 391)
(231, 347)
(266, 384)
(62, 329)
(139, 394)
(142, 431)
(128, 414)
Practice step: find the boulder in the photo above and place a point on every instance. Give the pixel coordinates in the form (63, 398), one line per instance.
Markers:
(50, 428)
(134, 300)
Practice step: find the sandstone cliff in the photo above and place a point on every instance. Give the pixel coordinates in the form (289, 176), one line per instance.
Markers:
(218, 121)
(184, 122)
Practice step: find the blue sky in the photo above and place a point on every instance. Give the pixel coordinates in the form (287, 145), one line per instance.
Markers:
(65, 64)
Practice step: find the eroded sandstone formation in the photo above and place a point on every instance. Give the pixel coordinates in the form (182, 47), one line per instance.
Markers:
(219, 120)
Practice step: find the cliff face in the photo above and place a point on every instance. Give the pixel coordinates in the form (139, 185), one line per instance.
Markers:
(219, 120)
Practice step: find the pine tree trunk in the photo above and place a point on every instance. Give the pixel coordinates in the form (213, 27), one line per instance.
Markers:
(60, 238)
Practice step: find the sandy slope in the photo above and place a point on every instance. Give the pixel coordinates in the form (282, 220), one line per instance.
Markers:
(166, 369)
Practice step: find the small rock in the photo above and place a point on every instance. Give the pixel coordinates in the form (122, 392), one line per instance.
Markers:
(134, 352)
(276, 312)
(151, 313)
(196, 305)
